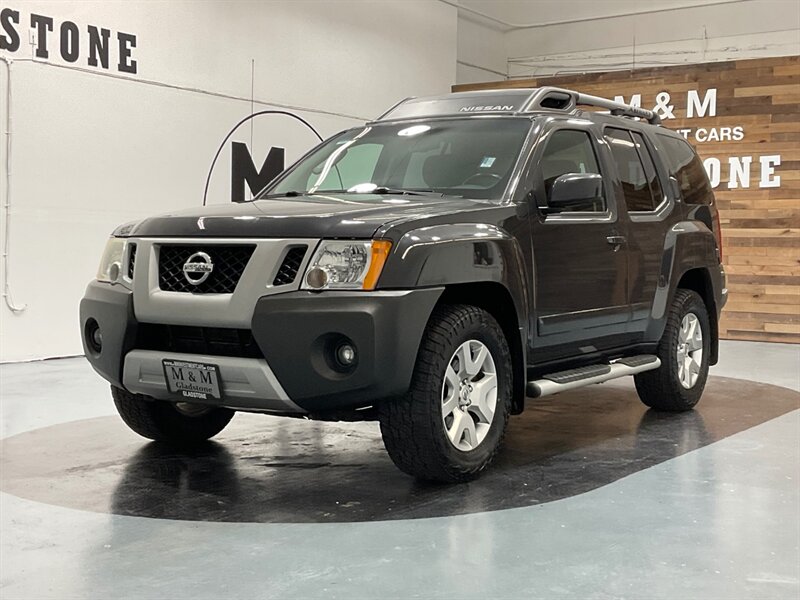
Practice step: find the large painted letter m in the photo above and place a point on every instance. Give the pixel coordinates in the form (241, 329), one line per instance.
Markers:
(243, 170)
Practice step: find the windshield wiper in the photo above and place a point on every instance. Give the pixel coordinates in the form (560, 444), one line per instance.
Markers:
(378, 190)
(401, 191)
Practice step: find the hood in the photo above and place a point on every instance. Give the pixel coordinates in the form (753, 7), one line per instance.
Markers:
(317, 216)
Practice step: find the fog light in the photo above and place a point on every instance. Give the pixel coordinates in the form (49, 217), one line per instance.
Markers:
(113, 272)
(317, 278)
(346, 355)
(94, 337)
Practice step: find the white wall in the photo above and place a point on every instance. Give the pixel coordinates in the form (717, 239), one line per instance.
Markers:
(560, 36)
(691, 35)
(90, 151)
(482, 54)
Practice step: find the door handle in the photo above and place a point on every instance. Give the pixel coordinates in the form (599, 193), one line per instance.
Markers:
(616, 240)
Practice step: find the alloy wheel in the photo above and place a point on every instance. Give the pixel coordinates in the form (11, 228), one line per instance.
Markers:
(469, 395)
(690, 350)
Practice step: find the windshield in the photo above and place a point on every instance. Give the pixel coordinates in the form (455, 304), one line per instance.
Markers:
(471, 157)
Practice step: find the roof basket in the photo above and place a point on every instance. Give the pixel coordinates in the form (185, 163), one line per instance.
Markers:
(560, 99)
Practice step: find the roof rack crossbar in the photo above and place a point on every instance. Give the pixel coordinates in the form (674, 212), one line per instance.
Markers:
(618, 108)
(541, 96)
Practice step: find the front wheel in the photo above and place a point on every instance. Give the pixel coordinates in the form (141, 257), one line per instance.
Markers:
(179, 423)
(450, 424)
(684, 351)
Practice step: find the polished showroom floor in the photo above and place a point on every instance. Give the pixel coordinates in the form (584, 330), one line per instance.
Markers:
(593, 497)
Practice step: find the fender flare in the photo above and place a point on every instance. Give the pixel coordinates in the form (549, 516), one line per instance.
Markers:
(455, 255)
(459, 253)
(688, 246)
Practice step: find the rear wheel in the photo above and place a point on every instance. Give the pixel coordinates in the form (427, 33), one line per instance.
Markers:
(684, 351)
(450, 424)
(179, 423)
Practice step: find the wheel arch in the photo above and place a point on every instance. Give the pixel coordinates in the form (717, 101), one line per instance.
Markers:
(494, 298)
(690, 254)
(699, 280)
(477, 263)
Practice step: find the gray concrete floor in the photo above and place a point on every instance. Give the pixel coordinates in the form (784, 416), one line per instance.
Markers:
(720, 521)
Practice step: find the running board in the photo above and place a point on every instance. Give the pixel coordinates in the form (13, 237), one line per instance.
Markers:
(583, 376)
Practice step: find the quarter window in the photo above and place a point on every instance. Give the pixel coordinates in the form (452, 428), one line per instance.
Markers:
(686, 167)
(569, 151)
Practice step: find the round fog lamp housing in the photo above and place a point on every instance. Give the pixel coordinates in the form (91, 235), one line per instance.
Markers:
(113, 272)
(94, 337)
(317, 278)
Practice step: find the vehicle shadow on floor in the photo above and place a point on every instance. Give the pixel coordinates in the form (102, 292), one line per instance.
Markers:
(266, 469)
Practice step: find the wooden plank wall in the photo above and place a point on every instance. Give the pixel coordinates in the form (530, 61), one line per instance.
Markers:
(761, 225)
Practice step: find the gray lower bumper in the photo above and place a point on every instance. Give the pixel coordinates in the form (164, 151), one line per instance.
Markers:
(247, 383)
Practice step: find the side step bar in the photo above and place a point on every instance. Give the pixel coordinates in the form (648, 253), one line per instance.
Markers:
(583, 376)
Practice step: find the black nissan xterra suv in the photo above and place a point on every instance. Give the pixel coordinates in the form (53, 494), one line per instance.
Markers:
(430, 270)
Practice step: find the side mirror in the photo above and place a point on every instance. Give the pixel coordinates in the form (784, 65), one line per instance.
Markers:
(575, 191)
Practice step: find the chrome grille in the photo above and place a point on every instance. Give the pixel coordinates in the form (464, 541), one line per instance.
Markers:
(290, 265)
(229, 264)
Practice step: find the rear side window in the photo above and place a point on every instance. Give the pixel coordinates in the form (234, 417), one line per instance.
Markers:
(686, 167)
(649, 168)
(637, 186)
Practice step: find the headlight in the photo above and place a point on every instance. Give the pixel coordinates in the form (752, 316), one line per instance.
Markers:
(346, 265)
(111, 263)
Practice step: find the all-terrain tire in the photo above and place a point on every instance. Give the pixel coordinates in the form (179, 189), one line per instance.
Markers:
(413, 426)
(162, 421)
(661, 388)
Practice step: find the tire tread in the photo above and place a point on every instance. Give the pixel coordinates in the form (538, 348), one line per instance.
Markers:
(160, 421)
(660, 389)
(410, 428)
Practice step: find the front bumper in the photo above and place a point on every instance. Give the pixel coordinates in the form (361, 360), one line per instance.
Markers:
(112, 307)
(295, 332)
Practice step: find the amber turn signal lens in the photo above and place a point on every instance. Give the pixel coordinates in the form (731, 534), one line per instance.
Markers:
(380, 252)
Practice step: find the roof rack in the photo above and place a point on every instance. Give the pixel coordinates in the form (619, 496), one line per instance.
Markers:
(395, 105)
(561, 99)
(510, 101)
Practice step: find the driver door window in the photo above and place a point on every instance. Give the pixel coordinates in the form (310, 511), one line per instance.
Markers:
(569, 151)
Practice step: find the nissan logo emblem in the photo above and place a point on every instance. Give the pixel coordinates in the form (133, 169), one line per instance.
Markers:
(197, 268)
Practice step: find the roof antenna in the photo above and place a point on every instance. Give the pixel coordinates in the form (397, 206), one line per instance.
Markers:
(252, 104)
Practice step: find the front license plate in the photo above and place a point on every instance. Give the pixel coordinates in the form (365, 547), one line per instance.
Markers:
(192, 380)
